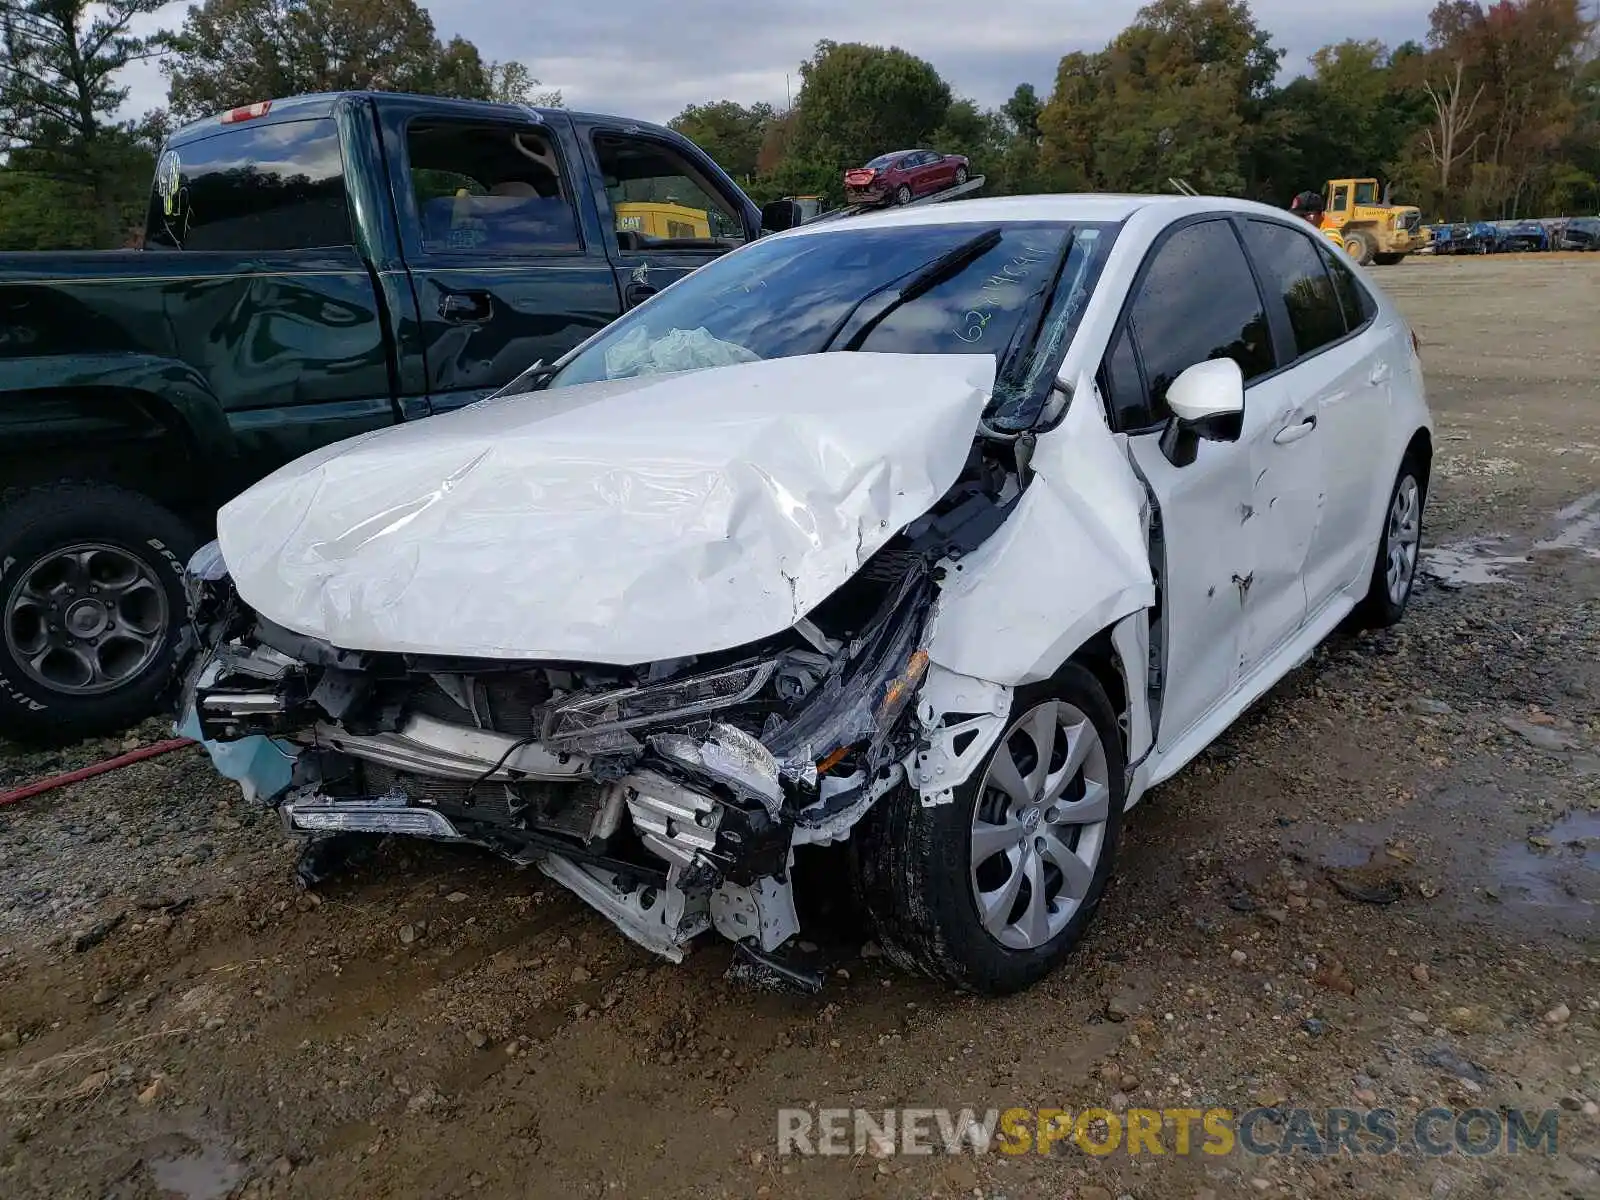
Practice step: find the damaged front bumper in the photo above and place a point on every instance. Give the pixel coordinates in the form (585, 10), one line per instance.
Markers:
(670, 798)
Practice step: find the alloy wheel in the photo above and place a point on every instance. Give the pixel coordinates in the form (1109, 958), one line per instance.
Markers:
(1039, 826)
(86, 619)
(1405, 537)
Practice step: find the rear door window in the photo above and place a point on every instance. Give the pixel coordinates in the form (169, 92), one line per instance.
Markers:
(1357, 303)
(490, 188)
(252, 188)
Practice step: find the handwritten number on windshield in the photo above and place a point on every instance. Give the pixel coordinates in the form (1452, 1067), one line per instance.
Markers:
(996, 291)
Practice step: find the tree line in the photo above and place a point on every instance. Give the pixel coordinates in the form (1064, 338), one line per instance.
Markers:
(1494, 111)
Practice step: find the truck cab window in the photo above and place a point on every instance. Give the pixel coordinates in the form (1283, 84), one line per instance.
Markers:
(659, 200)
(485, 188)
(252, 188)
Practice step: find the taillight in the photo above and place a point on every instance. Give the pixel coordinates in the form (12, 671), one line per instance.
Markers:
(246, 112)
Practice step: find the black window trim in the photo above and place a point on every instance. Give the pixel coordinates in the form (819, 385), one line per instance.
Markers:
(412, 223)
(1278, 309)
(1125, 315)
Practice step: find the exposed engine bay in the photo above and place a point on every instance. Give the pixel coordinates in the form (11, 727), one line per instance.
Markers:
(670, 795)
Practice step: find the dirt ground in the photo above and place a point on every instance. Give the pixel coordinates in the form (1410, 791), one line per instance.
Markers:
(1379, 890)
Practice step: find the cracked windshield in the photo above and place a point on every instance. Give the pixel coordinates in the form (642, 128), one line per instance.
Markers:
(796, 295)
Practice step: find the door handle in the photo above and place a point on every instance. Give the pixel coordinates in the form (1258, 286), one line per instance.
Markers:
(1379, 376)
(466, 308)
(637, 293)
(1294, 433)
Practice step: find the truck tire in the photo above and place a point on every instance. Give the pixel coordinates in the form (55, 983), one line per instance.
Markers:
(1358, 245)
(927, 881)
(91, 605)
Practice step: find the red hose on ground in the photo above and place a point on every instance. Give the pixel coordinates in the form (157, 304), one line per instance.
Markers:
(100, 768)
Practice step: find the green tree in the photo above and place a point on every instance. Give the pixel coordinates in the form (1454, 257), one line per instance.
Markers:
(232, 52)
(730, 133)
(1181, 92)
(71, 167)
(463, 72)
(857, 102)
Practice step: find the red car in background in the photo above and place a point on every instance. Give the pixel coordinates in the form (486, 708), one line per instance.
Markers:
(900, 177)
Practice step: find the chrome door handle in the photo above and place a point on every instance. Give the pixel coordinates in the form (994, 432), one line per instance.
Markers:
(1294, 433)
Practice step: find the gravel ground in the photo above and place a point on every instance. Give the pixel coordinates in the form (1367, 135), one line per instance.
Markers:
(1379, 889)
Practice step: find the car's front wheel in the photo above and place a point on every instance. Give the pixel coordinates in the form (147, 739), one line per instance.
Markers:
(991, 891)
(961, 176)
(91, 603)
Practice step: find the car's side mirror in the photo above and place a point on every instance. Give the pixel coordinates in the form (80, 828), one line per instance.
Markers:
(1207, 402)
(780, 215)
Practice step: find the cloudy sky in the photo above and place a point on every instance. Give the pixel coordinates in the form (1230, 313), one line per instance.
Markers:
(648, 60)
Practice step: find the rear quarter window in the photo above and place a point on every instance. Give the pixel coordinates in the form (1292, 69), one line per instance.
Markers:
(252, 188)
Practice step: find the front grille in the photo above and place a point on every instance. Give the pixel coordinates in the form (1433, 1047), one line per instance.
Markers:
(564, 808)
(509, 702)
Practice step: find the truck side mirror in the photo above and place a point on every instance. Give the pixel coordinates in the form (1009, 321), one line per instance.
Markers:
(780, 215)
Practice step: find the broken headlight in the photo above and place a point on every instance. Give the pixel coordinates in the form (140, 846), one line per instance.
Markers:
(602, 719)
(201, 577)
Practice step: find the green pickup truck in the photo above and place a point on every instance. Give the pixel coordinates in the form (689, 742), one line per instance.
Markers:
(312, 268)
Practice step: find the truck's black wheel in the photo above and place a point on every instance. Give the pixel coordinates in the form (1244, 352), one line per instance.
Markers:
(91, 605)
(991, 891)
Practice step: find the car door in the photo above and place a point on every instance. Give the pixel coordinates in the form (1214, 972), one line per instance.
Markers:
(1358, 415)
(1303, 476)
(502, 271)
(1194, 299)
(629, 166)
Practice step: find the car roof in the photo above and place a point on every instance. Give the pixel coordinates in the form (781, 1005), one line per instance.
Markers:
(1096, 207)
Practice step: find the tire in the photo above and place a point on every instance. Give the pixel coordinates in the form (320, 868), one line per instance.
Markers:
(902, 194)
(1359, 247)
(913, 869)
(110, 560)
(1384, 605)
(961, 176)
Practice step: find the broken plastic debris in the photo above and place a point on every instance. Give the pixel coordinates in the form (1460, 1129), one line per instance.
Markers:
(737, 758)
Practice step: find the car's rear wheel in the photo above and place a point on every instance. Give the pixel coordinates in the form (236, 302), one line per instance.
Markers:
(992, 891)
(1394, 574)
(91, 605)
(902, 194)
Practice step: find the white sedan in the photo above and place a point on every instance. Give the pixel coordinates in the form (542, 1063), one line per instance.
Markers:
(946, 532)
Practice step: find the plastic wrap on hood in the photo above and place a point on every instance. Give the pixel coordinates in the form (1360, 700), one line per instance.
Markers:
(679, 350)
(617, 522)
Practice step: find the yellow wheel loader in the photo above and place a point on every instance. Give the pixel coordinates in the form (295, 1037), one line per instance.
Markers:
(1370, 228)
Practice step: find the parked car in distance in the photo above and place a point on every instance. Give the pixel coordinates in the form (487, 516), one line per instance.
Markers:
(314, 267)
(1523, 237)
(945, 531)
(901, 177)
(1581, 233)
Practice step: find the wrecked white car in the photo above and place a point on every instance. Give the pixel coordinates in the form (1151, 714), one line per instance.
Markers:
(945, 532)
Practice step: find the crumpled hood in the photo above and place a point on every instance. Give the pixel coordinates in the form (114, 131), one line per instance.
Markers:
(619, 522)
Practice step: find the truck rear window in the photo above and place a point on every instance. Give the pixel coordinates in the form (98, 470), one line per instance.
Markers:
(252, 188)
